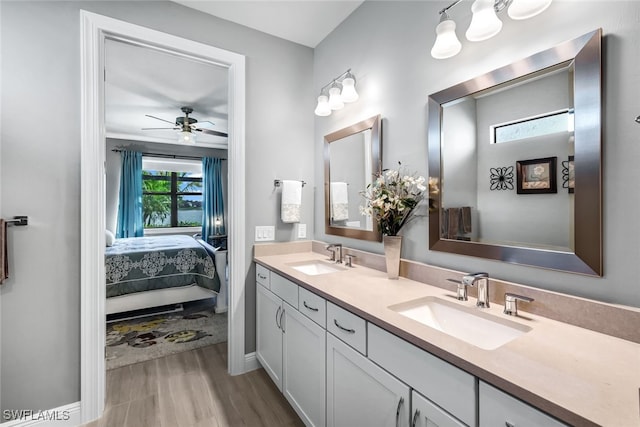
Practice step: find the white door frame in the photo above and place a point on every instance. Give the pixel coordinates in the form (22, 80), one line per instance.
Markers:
(94, 29)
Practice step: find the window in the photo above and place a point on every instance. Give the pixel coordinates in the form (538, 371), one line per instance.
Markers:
(558, 121)
(171, 193)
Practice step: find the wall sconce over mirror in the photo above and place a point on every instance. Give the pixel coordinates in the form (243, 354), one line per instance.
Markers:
(484, 22)
(334, 94)
(522, 118)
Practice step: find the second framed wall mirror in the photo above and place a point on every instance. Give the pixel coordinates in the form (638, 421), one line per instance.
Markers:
(500, 142)
(352, 157)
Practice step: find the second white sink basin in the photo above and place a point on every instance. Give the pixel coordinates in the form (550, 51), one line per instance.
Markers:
(316, 267)
(468, 324)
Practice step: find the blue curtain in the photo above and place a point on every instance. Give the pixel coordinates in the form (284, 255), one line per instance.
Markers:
(130, 203)
(213, 205)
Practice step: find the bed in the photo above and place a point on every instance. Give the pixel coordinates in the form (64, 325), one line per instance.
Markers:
(144, 272)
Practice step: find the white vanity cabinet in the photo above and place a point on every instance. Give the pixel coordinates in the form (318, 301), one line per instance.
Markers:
(290, 346)
(359, 393)
(304, 367)
(500, 409)
(425, 413)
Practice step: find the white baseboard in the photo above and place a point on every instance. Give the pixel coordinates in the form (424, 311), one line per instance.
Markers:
(250, 363)
(63, 416)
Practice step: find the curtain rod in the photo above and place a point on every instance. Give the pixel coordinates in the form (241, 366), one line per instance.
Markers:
(168, 156)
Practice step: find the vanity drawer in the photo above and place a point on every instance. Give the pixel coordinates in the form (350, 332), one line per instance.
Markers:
(498, 409)
(312, 306)
(285, 289)
(263, 275)
(348, 327)
(450, 388)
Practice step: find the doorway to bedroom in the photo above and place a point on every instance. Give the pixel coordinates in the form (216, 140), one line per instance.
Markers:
(166, 127)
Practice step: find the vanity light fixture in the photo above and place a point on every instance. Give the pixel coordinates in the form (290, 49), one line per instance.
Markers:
(484, 22)
(334, 94)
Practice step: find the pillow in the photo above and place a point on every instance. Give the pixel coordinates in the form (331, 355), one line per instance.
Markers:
(109, 238)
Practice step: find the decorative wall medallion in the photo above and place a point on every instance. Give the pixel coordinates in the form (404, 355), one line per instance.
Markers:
(501, 178)
(568, 177)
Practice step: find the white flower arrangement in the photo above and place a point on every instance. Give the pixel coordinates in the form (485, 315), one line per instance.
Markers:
(391, 199)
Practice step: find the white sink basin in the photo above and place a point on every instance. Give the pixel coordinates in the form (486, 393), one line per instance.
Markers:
(468, 324)
(316, 267)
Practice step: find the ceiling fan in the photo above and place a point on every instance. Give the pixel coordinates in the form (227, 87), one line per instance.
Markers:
(188, 126)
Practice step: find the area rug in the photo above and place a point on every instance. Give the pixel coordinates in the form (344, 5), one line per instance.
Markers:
(137, 340)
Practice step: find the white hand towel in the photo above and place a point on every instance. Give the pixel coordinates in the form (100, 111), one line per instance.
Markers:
(339, 201)
(291, 201)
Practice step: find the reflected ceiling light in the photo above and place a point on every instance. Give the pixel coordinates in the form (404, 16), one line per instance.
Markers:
(484, 22)
(341, 89)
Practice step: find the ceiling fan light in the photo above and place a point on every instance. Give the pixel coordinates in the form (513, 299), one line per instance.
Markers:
(186, 137)
(484, 22)
(525, 9)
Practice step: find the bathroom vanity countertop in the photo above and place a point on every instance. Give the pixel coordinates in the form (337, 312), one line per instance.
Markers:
(580, 376)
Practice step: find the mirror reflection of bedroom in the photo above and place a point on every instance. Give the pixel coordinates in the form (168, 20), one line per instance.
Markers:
(166, 185)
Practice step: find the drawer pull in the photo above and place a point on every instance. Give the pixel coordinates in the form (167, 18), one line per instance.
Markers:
(261, 276)
(415, 418)
(350, 331)
(281, 325)
(400, 402)
(310, 308)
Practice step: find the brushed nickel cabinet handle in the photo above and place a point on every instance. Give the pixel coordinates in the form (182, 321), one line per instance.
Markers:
(281, 325)
(278, 312)
(310, 308)
(415, 418)
(400, 402)
(261, 276)
(350, 331)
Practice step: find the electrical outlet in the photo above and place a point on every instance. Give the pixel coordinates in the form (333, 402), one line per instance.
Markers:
(265, 233)
(302, 231)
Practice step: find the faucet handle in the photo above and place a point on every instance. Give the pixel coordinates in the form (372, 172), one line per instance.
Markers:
(462, 289)
(332, 249)
(348, 260)
(511, 303)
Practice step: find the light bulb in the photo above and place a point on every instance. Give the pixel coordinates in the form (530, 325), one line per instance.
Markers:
(187, 137)
(322, 109)
(525, 9)
(335, 101)
(349, 93)
(484, 22)
(447, 43)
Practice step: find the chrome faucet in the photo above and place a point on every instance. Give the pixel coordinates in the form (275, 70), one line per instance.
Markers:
(482, 279)
(333, 248)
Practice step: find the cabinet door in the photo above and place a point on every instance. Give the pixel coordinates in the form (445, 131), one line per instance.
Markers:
(427, 414)
(268, 333)
(304, 366)
(359, 393)
(500, 409)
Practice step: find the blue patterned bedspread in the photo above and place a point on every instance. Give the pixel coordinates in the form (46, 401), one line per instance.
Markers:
(140, 264)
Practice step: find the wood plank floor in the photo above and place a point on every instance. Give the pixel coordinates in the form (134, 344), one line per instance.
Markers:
(193, 389)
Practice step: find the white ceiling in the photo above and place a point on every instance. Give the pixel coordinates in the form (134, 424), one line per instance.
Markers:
(141, 80)
(306, 22)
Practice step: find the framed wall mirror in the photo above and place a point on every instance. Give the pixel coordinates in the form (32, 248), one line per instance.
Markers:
(352, 158)
(500, 142)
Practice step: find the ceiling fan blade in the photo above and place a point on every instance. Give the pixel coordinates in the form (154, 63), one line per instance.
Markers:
(213, 132)
(160, 128)
(158, 118)
(205, 124)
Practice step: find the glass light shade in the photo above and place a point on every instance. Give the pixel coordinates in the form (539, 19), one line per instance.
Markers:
(484, 23)
(335, 101)
(447, 43)
(187, 137)
(525, 9)
(322, 109)
(349, 93)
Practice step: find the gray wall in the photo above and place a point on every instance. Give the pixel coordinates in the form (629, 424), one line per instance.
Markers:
(387, 46)
(40, 166)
